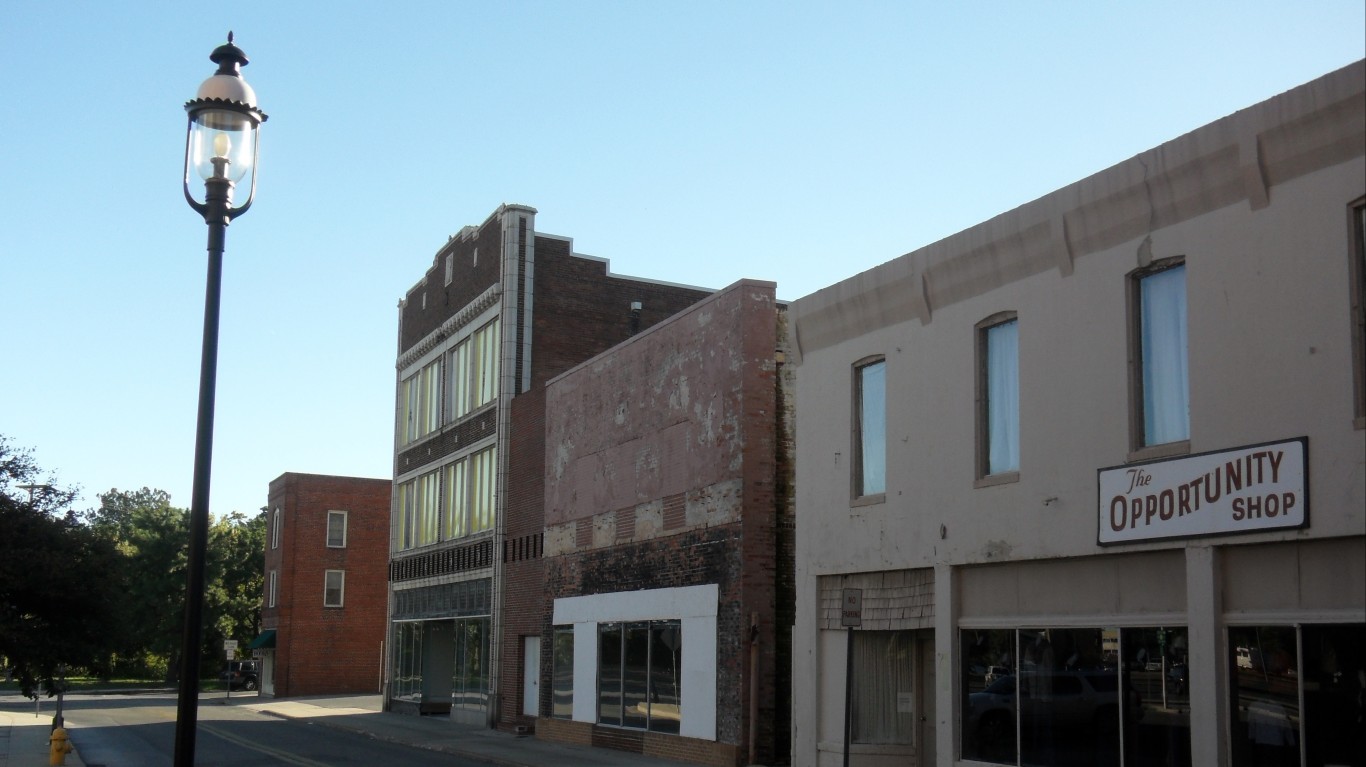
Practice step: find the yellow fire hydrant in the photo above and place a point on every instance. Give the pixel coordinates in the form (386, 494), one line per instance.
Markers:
(60, 746)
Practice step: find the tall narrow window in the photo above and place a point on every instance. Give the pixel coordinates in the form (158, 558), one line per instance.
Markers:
(420, 409)
(1162, 380)
(562, 673)
(336, 529)
(275, 530)
(870, 439)
(334, 588)
(998, 396)
(473, 366)
(272, 588)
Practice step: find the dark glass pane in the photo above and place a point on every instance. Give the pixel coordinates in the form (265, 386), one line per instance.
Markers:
(1334, 698)
(609, 673)
(666, 653)
(1157, 721)
(988, 695)
(1064, 720)
(1264, 679)
(562, 673)
(635, 679)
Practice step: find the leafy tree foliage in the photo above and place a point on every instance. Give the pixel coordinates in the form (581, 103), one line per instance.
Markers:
(56, 601)
(105, 590)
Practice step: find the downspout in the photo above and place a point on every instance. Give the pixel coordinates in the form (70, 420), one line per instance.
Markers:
(753, 687)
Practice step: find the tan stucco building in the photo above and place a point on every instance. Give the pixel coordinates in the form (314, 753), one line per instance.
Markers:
(1091, 475)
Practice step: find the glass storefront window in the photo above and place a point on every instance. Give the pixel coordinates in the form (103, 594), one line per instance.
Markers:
(881, 709)
(562, 673)
(1074, 697)
(638, 675)
(470, 677)
(407, 683)
(1267, 682)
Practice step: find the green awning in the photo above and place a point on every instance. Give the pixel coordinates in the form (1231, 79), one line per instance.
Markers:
(267, 639)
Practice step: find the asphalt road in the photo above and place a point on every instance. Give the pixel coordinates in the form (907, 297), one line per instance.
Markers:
(139, 731)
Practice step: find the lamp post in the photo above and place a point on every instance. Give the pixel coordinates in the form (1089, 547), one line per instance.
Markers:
(220, 145)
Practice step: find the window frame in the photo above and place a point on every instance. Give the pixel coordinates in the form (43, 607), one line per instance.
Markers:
(982, 330)
(331, 514)
(273, 588)
(341, 588)
(857, 468)
(275, 529)
(1139, 446)
(1356, 239)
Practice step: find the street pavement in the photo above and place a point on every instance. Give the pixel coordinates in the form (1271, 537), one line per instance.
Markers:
(24, 736)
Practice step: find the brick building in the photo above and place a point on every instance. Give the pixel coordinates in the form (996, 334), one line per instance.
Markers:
(502, 310)
(323, 610)
(668, 540)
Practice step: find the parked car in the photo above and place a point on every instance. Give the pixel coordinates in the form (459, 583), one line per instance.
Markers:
(241, 675)
(996, 672)
(1059, 699)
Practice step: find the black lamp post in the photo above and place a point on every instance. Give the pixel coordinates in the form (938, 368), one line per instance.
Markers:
(220, 145)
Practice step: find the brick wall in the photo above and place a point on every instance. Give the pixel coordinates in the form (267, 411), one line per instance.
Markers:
(431, 301)
(667, 467)
(325, 650)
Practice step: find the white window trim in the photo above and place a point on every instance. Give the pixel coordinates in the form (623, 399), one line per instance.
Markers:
(341, 595)
(275, 530)
(274, 588)
(344, 531)
(695, 607)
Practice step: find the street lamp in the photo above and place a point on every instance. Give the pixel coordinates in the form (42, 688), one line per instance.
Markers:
(220, 146)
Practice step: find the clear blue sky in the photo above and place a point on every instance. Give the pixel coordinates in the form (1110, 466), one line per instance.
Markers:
(692, 142)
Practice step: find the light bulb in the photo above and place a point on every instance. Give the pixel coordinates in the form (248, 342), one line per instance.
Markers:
(221, 145)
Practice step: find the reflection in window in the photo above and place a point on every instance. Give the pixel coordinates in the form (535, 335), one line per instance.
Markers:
(562, 673)
(470, 674)
(881, 709)
(407, 683)
(1068, 684)
(638, 675)
(1267, 682)
(870, 468)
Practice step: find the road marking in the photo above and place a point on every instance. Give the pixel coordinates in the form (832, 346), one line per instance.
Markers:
(257, 747)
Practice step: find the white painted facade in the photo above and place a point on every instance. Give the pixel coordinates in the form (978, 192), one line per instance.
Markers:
(1261, 207)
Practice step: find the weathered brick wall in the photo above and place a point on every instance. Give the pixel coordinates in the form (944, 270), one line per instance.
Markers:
(578, 311)
(325, 650)
(663, 470)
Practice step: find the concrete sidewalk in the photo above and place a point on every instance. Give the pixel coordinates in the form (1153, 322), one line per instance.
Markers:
(23, 740)
(362, 714)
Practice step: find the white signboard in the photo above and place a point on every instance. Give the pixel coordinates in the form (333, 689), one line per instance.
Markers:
(1260, 487)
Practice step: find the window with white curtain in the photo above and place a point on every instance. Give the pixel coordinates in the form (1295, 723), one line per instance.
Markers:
(1162, 377)
(870, 439)
(882, 704)
(999, 395)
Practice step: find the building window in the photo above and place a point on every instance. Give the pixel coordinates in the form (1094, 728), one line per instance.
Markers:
(881, 706)
(419, 503)
(1161, 381)
(473, 366)
(870, 427)
(271, 589)
(420, 409)
(407, 682)
(336, 529)
(998, 395)
(562, 673)
(1275, 669)
(1067, 683)
(638, 675)
(470, 486)
(275, 530)
(1358, 276)
(334, 588)
(450, 267)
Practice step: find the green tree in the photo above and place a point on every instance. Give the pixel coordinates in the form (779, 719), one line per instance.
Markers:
(233, 579)
(56, 601)
(151, 536)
